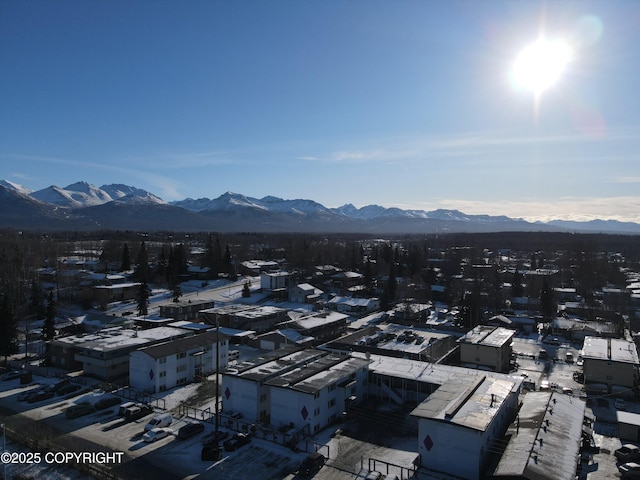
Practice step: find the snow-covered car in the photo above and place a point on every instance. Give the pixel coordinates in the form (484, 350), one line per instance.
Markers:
(156, 434)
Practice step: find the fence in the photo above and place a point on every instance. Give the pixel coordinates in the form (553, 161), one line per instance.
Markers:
(284, 436)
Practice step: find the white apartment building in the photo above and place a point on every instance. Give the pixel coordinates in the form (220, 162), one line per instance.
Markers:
(300, 388)
(177, 362)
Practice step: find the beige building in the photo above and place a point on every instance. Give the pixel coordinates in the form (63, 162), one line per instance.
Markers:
(612, 362)
(487, 346)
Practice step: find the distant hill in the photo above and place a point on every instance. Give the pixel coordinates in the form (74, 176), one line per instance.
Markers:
(85, 207)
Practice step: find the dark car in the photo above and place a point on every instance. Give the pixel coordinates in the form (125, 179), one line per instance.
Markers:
(311, 464)
(39, 396)
(79, 410)
(214, 437)
(104, 403)
(237, 441)
(67, 389)
(11, 376)
(210, 452)
(190, 429)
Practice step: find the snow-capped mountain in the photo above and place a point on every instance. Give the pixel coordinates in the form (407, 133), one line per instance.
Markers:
(82, 206)
(15, 186)
(119, 191)
(80, 194)
(83, 194)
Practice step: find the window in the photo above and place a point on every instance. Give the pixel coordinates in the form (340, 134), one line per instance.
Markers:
(316, 412)
(316, 428)
(332, 387)
(162, 388)
(180, 381)
(332, 403)
(181, 368)
(181, 355)
(163, 373)
(163, 360)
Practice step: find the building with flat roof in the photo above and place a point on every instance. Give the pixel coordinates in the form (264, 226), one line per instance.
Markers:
(487, 346)
(463, 419)
(244, 317)
(544, 440)
(319, 325)
(184, 310)
(105, 354)
(612, 362)
(162, 366)
(300, 388)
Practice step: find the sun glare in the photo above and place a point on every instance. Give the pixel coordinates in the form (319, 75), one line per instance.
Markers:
(540, 65)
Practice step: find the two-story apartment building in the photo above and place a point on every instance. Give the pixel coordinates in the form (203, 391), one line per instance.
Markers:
(487, 346)
(166, 365)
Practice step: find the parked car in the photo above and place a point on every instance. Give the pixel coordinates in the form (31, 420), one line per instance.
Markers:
(156, 434)
(107, 402)
(237, 441)
(311, 464)
(620, 404)
(39, 396)
(79, 410)
(24, 396)
(630, 470)
(190, 429)
(122, 410)
(210, 452)
(374, 476)
(137, 411)
(628, 452)
(11, 376)
(162, 420)
(214, 437)
(67, 389)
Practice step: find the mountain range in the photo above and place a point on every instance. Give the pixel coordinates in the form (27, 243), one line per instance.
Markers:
(85, 207)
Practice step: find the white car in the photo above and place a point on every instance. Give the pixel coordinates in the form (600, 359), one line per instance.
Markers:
(156, 434)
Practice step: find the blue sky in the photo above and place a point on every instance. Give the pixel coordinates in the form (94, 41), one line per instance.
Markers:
(399, 103)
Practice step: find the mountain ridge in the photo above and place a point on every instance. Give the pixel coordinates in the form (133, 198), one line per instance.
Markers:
(84, 206)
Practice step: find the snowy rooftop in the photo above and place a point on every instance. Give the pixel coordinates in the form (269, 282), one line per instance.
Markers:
(614, 349)
(546, 438)
(468, 403)
(488, 336)
(117, 286)
(352, 301)
(430, 373)
(115, 338)
(318, 319)
(315, 375)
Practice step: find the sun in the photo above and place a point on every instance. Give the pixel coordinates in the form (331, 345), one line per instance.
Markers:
(540, 65)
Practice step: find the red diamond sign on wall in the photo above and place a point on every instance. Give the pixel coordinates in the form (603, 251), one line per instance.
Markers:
(227, 393)
(304, 412)
(428, 443)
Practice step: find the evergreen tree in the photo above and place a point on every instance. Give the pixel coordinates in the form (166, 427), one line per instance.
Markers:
(37, 300)
(8, 329)
(142, 267)
(143, 299)
(49, 330)
(126, 259)
(246, 292)
(547, 300)
(227, 265)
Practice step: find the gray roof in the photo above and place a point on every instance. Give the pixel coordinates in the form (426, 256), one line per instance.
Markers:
(489, 336)
(182, 344)
(316, 375)
(467, 402)
(610, 349)
(545, 439)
